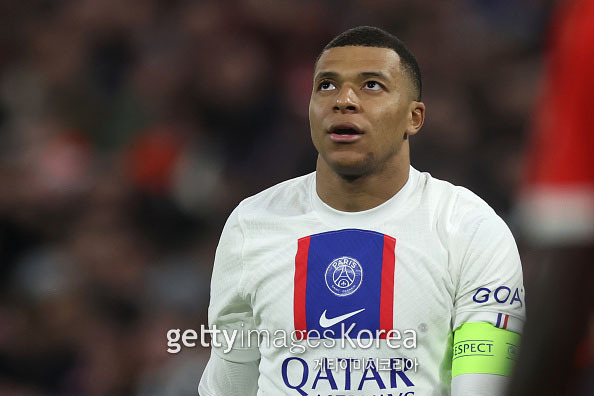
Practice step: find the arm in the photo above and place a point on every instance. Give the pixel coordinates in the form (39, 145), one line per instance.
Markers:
(547, 364)
(482, 359)
(222, 377)
(231, 367)
(489, 305)
(479, 385)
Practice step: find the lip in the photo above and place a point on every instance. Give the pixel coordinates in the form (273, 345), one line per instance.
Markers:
(335, 137)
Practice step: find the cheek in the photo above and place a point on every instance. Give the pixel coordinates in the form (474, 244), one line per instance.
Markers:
(316, 118)
(391, 122)
(315, 112)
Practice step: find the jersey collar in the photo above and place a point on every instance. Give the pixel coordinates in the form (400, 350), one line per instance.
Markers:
(363, 219)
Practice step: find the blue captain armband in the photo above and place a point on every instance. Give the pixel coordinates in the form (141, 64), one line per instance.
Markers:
(481, 348)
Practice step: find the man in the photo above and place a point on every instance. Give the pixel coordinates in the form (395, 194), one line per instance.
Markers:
(423, 274)
(556, 213)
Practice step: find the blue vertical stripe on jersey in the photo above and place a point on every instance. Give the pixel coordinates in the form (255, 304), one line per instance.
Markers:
(340, 289)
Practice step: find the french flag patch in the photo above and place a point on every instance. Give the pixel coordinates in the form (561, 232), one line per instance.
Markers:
(344, 278)
(502, 321)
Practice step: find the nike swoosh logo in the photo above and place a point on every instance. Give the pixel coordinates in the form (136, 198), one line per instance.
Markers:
(329, 322)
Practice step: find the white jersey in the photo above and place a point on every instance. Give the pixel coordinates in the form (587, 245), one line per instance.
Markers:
(427, 260)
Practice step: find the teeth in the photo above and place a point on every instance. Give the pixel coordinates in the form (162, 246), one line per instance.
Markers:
(345, 132)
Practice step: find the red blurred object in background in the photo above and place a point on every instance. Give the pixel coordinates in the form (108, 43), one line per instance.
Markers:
(151, 158)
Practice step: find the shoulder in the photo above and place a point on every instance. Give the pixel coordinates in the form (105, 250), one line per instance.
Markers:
(290, 197)
(457, 208)
(287, 198)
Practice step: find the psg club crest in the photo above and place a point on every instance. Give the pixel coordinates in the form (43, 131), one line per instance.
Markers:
(330, 282)
(344, 276)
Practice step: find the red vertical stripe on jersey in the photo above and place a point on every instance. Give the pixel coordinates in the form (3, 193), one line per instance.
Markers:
(300, 285)
(505, 323)
(387, 287)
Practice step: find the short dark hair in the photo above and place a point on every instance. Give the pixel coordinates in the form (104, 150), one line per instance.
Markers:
(369, 36)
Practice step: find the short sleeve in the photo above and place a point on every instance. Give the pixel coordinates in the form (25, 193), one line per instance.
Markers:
(229, 310)
(489, 282)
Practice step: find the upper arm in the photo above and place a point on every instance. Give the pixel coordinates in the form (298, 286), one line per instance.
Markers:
(222, 377)
(489, 304)
(489, 283)
(229, 309)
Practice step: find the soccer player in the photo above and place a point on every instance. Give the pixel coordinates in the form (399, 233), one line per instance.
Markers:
(423, 275)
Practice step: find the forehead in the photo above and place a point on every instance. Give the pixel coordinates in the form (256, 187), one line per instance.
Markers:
(356, 59)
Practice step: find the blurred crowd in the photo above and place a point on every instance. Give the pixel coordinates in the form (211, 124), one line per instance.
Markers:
(130, 129)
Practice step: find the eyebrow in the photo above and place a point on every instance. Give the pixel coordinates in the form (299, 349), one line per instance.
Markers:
(374, 74)
(326, 74)
(334, 75)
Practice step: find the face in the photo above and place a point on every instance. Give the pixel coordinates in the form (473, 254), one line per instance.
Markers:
(361, 108)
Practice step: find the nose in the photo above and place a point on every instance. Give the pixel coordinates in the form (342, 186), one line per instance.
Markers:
(346, 101)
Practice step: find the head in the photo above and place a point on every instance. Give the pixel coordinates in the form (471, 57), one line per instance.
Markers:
(365, 102)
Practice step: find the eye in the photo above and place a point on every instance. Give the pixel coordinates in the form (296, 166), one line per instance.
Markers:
(326, 86)
(373, 85)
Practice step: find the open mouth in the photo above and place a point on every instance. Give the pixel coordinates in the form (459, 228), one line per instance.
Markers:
(345, 133)
(345, 129)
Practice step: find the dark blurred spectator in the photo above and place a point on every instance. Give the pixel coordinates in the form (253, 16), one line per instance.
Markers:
(556, 213)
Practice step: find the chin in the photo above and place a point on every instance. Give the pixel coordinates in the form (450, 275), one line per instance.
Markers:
(351, 166)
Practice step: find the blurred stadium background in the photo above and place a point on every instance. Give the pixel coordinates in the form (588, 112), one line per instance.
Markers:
(130, 129)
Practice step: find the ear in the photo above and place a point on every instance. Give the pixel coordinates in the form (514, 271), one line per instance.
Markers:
(416, 117)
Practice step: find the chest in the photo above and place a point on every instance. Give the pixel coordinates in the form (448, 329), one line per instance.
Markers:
(312, 277)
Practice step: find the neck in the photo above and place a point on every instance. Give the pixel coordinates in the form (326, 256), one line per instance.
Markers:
(358, 193)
